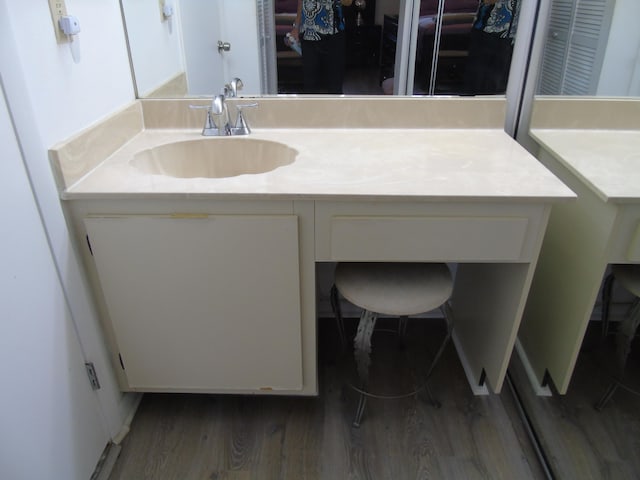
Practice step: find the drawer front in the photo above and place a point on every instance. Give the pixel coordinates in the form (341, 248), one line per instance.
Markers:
(427, 238)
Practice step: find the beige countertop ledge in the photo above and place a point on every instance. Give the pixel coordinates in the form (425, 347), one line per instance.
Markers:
(362, 148)
(597, 139)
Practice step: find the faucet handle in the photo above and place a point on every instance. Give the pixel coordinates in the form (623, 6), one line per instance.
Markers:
(208, 121)
(241, 124)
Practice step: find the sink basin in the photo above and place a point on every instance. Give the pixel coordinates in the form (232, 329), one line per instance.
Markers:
(214, 158)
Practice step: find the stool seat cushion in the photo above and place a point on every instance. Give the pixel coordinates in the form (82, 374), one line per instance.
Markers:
(395, 288)
(628, 276)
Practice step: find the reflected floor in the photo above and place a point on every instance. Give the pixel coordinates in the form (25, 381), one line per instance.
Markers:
(579, 441)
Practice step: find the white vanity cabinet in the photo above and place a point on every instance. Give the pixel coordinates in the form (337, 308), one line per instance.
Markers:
(201, 301)
(222, 299)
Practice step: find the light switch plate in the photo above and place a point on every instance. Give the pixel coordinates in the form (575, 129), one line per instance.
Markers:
(58, 9)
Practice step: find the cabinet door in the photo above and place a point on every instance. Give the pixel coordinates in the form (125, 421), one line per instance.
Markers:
(203, 303)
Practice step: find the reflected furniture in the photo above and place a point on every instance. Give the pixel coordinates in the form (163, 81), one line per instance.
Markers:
(457, 21)
(397, 289)
(628, 276)
(592, 145)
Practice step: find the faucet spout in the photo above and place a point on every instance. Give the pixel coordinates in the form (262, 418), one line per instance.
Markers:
(220, 115)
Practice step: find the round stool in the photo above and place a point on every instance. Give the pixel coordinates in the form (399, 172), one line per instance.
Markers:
(628, 276)
(398, 289)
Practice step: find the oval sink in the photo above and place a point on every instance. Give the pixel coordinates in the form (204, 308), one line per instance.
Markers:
(214, 158)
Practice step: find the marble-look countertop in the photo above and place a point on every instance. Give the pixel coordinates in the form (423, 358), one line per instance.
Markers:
(606, 160)
(429, 164)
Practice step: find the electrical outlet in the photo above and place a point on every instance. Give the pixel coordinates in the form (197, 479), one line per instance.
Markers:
(161, 5)
(58, 9)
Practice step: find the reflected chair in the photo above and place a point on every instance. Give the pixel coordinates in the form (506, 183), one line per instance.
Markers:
(395, 289)
(628, 276)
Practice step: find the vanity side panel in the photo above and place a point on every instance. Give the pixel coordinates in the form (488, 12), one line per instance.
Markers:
(572, 263)
(304, 210)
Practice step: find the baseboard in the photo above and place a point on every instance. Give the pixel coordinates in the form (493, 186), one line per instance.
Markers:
(107, 462)
(132, 401)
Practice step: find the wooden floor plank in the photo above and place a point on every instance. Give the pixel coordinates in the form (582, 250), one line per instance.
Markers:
(263, 437)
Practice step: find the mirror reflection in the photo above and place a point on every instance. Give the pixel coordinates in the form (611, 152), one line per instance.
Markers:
(591, 51)
(194, 47)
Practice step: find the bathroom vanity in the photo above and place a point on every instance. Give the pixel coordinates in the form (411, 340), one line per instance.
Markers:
(209, 284)
(593, 145)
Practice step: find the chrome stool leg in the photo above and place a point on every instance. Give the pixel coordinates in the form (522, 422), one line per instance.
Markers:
(362, 353)
(447, 312)
(337, 311)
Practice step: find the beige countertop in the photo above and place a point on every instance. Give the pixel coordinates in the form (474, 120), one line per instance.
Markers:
(606, 160)
(396, 149)
(398, 164)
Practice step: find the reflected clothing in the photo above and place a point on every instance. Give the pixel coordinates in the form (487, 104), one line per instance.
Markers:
(323, 44)
(499, 19)
(321, 17)
(491, 47)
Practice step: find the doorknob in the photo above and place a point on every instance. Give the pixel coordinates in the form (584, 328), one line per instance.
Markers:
(223, 46)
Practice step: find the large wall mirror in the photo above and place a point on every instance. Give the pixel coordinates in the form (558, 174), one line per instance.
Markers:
(587, 48)
(582, 48)
(184, 48)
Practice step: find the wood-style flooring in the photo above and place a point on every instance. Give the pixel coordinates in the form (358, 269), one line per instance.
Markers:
(215, 437)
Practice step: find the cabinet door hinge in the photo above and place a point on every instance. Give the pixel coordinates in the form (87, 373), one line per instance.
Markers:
(89, 245)
(93, 376)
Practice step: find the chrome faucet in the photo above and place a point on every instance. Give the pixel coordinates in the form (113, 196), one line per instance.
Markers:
(233, 87)
(217, 121)
(220, 116)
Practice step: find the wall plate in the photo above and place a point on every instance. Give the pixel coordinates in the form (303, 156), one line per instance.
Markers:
(58, 9)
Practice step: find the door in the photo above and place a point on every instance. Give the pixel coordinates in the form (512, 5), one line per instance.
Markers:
(204, 303)
(209, 68)
(51, 418)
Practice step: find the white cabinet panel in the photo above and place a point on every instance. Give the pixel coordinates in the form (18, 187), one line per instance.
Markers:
(202, 303)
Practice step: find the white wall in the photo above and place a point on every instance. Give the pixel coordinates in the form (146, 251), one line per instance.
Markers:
(51, 98)
(619, 75)
(51, 421)
(156, 49)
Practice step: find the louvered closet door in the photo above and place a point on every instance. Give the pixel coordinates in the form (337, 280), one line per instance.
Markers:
(555, 49)
(576, 42)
